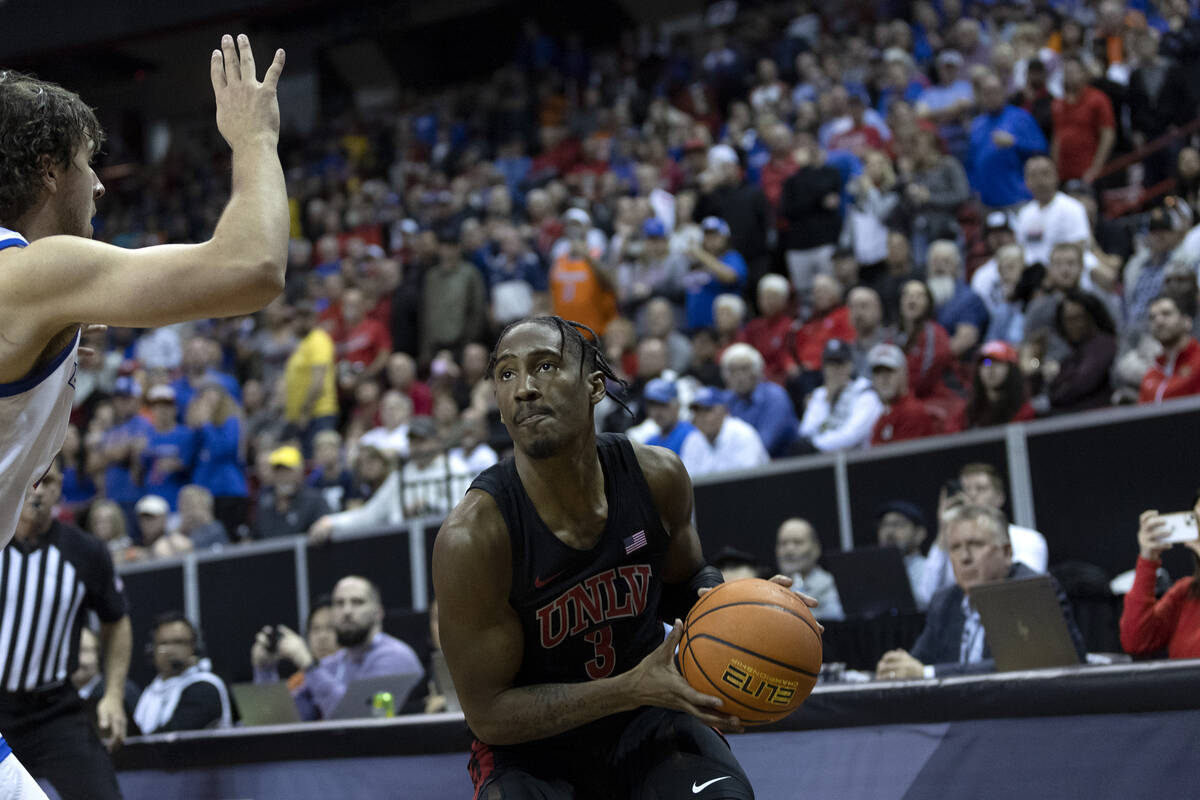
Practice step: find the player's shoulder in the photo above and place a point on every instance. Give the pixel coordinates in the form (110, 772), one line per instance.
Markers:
(662, 468)
(474, 526)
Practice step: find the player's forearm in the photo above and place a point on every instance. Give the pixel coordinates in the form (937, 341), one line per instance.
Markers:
(528, 713)
(255, 223)
(117, 642)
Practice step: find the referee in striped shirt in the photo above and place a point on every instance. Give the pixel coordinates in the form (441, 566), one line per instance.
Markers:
(50, 577)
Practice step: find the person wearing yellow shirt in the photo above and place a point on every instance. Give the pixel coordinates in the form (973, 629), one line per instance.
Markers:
(310, 404)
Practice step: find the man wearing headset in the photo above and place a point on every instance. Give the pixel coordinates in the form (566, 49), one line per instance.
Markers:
(185, 695)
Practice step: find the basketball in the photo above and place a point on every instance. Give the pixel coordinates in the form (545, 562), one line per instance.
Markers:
(756, 645)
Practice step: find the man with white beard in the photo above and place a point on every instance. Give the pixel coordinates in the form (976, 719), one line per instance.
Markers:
(959, 309)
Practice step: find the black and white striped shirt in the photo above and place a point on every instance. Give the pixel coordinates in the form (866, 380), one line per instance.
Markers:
(45, 592)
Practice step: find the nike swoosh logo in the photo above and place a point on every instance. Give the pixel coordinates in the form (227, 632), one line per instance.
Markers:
(698, 788)
(540, 582)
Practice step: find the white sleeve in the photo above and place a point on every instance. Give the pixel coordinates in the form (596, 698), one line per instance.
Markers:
(382, 508)
(1029, 547)
(691, 453)
(857, 429)
(1075, 227)
(938, 573)
(814, 413)
(747, 449)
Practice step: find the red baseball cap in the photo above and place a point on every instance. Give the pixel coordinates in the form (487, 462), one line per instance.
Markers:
(999, 351)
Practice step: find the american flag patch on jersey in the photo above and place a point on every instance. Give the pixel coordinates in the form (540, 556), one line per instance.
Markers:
(635, 542)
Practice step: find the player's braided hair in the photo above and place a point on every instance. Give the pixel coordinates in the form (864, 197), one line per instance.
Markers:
(591, 357)
(40, 119)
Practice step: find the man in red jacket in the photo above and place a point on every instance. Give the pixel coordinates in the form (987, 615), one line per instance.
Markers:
(904, 416)
(770, 333)
(830, 320)
(1176, 373)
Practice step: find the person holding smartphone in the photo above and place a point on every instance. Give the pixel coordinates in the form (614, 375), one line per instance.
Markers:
(1172, 621)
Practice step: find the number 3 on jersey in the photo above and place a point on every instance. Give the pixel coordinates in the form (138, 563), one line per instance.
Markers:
(606, 658)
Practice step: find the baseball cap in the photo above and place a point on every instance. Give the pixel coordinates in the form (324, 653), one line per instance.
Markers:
(836, 350)
(125, 386)
(910, 511)
(715, 224)
(886, 355)
(660, 390)
(152, 505)
(654, 228)
(287, 456)
(950, 57)
(999, 351)
(160, 394)
(1162, 219)
(997, 221)
(721, 154)
(422, 427)
(577, 215)
(708, 396)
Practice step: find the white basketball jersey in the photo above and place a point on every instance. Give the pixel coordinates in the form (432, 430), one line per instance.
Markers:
(34, 413)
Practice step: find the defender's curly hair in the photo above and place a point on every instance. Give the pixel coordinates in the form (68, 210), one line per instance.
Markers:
(40, 119)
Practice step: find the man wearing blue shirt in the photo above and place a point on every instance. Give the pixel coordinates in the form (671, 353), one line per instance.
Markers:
(170, 448)
(716, 269)
(1002, 137)
(959, 310)
(662, 406)
(763, 404)
(122, 446)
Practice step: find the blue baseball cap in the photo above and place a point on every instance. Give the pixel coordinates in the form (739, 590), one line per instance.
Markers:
(126, 386)
(660, 390)
(709, 396)
(715, 225)
(654, 228)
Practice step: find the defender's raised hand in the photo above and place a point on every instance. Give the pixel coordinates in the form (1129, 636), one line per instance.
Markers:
(246, 108)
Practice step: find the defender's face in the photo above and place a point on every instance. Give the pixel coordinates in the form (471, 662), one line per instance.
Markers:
(542, 395)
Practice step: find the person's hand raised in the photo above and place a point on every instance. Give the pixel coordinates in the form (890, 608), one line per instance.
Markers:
(246, 109)
(1151, 532)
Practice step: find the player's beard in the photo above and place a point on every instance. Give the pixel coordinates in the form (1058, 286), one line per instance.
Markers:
(352, 637)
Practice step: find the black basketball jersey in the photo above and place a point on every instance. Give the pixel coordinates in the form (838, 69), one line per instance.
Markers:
(586, 614)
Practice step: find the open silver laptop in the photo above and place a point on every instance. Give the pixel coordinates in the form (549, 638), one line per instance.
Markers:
(264, 703)
(1024, 624)
(358, 701)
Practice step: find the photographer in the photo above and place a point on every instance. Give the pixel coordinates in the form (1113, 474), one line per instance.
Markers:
(1173, 621)
(319, 635)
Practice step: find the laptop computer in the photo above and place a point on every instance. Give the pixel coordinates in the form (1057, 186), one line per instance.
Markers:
(264, 703)
(1024, 624)
(358, 701)
(442, 680)
(871, 581)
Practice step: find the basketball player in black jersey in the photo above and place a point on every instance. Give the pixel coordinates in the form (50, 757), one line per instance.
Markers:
(554, 576)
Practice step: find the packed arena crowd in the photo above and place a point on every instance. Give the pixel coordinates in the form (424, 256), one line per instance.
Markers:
(794, 229)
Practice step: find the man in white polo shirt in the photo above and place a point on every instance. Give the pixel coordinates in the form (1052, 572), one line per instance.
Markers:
(721, 441)
(1051, 217)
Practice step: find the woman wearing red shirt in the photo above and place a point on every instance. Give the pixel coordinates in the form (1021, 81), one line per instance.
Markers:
(926, 344)
(1173, 621)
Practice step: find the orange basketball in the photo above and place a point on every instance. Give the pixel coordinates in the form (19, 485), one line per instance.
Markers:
(756, 645)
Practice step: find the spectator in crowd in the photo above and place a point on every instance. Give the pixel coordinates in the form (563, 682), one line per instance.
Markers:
(1080, 382)
(960, 311)
(308, 377)
(122, 445)
(1146, 271)
(953, 640)
(901, 524)
(157, 541)
(852, 133)
(660, 323)
(170, 447)
(716, 268)
(752, 398)
(473, 448)
(720, 441)
(90, 682)
(1051, 217)
(662, 408)
(454, 310)
(736, 564)
(935, 187)
(79, 487)
(948, 103)
(770, 333)
(200, 357)
(185, 694)
(402, 376)
(220, 464)
(797, 550)
(998, 394)
(1176, 372)
(986, 280)
(196, 520)
(362, 344)
(365, 651)
(287, 506)
(1158, 101)
(391, 435)
(516, 280)
(320, 636)
(873, 203)
(1002, 137)
(830, 319)
(1006, 318)
(841, 414)
(107, 522)
(904, 417)
(729, 316)
(272, 344)
(580, 288)
(811, 204)
(740, 204)
(649, 270)
(866, 318)
(1084, 126)
(1149, 624)
(329, 473)
(924, 342)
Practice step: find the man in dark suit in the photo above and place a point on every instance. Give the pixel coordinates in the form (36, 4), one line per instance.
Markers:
(953, 641)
